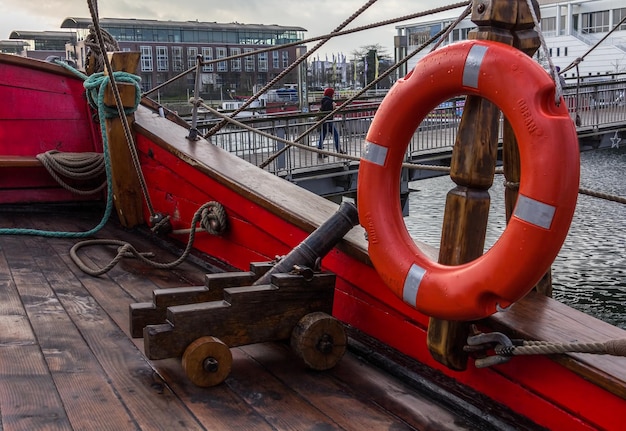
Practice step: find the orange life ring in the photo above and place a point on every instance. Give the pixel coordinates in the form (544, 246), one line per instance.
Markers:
(549, 159)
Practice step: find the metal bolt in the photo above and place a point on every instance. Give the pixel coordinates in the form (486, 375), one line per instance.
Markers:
(325, 344)
(210, 365)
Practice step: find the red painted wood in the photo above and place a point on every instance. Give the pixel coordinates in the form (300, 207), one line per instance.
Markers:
(534, 387)
(182, 191)
(43, 108)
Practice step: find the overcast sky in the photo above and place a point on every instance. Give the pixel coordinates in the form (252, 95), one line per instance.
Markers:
(318, 17)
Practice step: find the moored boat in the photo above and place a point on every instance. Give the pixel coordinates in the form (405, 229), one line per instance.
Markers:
(268, 217)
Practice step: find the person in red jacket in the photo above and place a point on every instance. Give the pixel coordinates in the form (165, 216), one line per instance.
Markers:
(327, 105)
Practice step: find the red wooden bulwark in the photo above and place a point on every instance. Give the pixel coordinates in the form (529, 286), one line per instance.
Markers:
(268, 216)
(43, 108)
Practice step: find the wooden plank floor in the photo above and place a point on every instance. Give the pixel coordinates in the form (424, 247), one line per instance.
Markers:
(67, 361)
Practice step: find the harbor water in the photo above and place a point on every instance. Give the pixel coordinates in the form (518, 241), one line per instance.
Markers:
(589, 273)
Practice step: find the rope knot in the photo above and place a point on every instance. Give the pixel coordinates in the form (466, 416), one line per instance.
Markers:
(95, 86)
(214, 218)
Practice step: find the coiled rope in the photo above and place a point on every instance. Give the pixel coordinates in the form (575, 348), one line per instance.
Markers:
(79, 166)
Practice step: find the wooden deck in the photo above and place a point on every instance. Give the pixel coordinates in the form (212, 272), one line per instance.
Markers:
(67, 361)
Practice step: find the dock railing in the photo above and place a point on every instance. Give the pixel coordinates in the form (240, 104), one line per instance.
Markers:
(594, 106)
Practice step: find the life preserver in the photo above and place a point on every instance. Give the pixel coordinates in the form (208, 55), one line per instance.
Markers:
(549, 159)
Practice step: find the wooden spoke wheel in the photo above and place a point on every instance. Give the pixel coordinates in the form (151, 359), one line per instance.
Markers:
(207, 361)
(320, 340)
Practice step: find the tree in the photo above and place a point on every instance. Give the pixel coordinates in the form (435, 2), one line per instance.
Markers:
(371, 61)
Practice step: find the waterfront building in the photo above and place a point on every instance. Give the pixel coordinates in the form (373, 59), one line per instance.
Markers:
(570, 28)
(17, 47)
(170, 47)
(39, 44)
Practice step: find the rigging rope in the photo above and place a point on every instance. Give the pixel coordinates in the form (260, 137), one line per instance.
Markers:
(382, 76)
(295, 64)
(120, 107)
(578, 60)
(546, 50)
(315, 39)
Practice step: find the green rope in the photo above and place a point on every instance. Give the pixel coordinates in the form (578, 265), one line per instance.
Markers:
(95, 85)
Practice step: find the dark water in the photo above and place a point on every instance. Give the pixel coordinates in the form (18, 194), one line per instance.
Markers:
(589, 273)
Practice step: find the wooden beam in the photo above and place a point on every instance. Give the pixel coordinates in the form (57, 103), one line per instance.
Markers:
(127, 193)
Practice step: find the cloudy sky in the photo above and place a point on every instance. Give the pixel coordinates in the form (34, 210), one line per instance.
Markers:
(318, 17)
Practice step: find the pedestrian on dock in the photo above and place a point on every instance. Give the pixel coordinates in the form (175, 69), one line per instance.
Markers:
(561, 79)
(327, 105)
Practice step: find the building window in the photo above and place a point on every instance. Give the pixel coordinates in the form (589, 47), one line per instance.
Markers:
(548, 25)
(235, 63)
(262, 59)
(285, 59)
(618, 15)
(596, 22)
(275, 60)
(249, 60)
(420, 35)
(146, 82)
(192, 54)
(221, 66)
(146, 58)
(162, 61)
(207, 55)
(177, 58)
(461, 33)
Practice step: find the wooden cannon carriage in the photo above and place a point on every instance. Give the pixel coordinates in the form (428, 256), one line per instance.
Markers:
(289, 299)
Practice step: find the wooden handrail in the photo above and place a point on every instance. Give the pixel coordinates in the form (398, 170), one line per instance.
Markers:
(19, 162)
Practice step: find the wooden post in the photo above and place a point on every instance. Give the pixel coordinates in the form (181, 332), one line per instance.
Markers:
(127, 193)
(472, 168)
(526, 40)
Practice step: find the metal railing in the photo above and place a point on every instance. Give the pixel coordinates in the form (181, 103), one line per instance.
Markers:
(597, 105)
(436, 133)
(593, 106)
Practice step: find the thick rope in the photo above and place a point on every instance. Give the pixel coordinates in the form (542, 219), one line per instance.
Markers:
(546, 50)
(505, 348)
(613, 198)
(78, 166)
(530, 347)
(126, 249)
(94, 49)
(213, 218)
(600, 195)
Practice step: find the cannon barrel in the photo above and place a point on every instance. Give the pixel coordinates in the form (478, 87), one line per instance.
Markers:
(318, 243)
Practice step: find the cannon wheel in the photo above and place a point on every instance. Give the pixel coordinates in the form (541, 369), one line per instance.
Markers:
(207, 361)
(320, 340)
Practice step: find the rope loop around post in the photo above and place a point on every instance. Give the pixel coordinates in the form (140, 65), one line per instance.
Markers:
(95, 86)
(503, 348)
